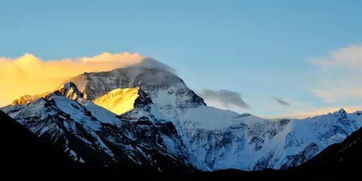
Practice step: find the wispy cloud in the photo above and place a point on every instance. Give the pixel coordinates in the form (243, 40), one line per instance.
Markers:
(339, 79)
(310, 112)
(350, 57)
(281, 101)
(29, 74)
(224, 99)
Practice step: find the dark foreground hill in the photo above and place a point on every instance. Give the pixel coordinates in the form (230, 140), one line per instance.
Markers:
(339, 161)
(27, 157)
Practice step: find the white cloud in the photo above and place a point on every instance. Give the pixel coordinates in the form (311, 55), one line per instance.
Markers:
(336, 94)
(350, 57)
(340, 72)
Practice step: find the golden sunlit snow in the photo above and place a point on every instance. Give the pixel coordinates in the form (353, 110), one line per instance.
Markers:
(118, 101)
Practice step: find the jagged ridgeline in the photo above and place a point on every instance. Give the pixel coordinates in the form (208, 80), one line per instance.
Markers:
(146, 114)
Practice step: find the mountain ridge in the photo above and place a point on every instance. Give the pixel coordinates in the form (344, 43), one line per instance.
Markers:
(203, 137)
(36, 159)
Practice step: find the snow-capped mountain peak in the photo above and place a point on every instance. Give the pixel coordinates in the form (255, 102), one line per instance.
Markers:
(164, 87)
(71, 91)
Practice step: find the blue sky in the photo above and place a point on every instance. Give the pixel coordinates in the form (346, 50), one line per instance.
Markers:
(260, 49)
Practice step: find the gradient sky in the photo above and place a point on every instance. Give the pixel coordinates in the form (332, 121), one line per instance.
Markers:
(269, 51)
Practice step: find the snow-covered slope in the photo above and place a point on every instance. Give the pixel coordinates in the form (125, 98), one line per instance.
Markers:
(252, 143)
(92, 134)
(118, 101)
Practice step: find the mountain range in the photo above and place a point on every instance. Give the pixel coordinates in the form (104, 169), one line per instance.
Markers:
(146, 116)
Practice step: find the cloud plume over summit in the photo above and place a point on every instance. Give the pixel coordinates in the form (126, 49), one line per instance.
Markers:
(28, 74)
